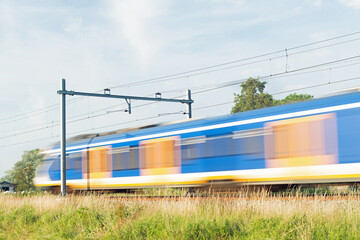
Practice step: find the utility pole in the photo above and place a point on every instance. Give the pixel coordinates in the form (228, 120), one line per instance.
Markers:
(63, 92)
(63, 141)
(189, 104)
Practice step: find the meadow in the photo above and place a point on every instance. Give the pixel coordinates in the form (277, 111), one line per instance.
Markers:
(257, 216)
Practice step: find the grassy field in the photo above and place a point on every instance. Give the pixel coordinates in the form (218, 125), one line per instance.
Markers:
(259, 216)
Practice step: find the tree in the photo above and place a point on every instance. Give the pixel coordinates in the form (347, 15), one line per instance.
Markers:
(253, 97)
(23, 171)
(291, 98)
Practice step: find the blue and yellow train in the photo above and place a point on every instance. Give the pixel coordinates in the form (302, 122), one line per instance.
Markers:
(315, 141)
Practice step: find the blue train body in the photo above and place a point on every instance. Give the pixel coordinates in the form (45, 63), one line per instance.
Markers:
(305, 142)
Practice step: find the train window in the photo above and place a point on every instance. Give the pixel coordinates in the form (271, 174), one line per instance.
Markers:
(56, 164)
(121, 158)
(189, 152)
(134, 157)
(330, 137)
(217, 146)
(247, 141)
(68, 162)
(125, 158)
(193, 148)
(75, 160)
(253, 145)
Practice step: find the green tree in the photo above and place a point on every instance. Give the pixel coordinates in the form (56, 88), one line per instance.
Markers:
(291, 98)
(23, 171)
(252, 96)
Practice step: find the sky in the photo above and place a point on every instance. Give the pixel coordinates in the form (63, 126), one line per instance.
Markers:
(142, 47)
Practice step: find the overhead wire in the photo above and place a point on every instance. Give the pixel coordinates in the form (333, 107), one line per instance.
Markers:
(36, 112)
(29, 141)
(230, 67)
(276, 93)
(222, 85)
(267, 60)
(41, 110)
(214, 87)
(292, 73)
(239, 60)
(287, 91)
(198, 108)
(52, 107)
(236, 82)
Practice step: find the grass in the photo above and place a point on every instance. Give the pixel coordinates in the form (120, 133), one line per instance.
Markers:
(259, 216)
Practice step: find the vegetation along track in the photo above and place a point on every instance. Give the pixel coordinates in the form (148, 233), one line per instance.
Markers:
(300, 197)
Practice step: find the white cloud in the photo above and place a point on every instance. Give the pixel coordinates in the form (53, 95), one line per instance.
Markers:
(351, 3)
(135, 19)
(73, 26)
(37, 102)
(316, 3)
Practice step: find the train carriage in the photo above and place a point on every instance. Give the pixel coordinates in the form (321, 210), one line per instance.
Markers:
(306, 142)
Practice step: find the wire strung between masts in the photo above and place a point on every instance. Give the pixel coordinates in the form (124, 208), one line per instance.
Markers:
(186, 73)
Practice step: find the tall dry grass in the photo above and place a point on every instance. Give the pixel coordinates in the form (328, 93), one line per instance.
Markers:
(256, 215)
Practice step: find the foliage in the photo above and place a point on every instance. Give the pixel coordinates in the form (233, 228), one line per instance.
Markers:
(100, 217)
(253, 97)
(291, 98)
(23, 171)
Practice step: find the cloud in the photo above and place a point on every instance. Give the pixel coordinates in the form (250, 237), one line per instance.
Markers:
(73, 26)
(316, 3)
(37, 102)
(135, 20)
(355, 4)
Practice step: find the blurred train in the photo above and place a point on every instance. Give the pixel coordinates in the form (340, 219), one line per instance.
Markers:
(315, 141)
